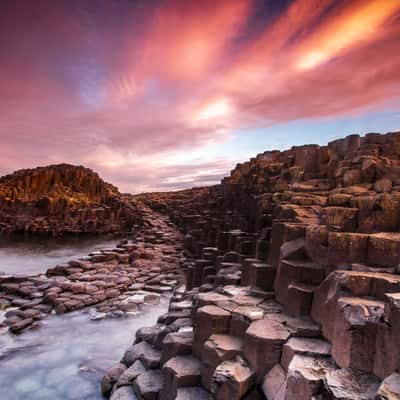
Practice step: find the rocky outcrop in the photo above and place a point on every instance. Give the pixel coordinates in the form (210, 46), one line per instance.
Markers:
(113, 282)
(292, 284)
(61, 199)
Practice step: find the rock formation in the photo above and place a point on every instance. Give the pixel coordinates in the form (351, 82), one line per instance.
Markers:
(292, 282)
(291, 268)
(116, 280)
(62, 199)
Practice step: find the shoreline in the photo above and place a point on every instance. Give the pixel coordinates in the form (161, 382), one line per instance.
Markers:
(113, 280)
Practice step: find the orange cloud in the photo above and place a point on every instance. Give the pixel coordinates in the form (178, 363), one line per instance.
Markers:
(355, 24)
(277, 78)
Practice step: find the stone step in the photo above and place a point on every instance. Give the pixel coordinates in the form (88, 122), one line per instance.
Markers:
(299, 300)
(342, 218)
(217, 349)
(298, 327)
(210, 298)
(311, 377)
(149, 384)
(246, 262)
(263, 343)
(350, 284)
(295, 271)
(283, 232)
(383, 249)
(209, 320)
(221, 347)
(242, 317)
(346, 248)
(232, 379)
(304, 346)
(262, 275)
(180, 371)
(305, 377)
(176, 344)
(354, 334)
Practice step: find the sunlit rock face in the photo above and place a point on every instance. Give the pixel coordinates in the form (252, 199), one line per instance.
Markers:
(61, 199)
(292, 278)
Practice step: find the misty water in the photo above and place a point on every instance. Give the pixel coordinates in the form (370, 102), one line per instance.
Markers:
(67, 355)
(24, 255)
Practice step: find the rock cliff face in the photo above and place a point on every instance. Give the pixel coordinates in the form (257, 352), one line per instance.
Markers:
(61, 199)
(293, 282)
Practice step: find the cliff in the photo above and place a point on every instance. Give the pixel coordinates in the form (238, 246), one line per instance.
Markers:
(61, 199)
(292, 282)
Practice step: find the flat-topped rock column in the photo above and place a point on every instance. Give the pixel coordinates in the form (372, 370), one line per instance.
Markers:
(209, 320)
(263, 343)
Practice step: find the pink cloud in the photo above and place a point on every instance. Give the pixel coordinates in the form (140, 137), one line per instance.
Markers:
(100, 85)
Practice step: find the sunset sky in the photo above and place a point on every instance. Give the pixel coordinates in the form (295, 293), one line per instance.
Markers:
(160, 95)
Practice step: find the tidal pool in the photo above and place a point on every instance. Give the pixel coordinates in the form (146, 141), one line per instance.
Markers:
(67, 356)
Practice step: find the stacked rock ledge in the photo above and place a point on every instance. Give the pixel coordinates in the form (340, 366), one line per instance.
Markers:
(292, 282)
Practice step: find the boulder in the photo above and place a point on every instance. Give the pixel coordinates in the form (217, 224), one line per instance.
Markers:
(130, 374)
(111, 377)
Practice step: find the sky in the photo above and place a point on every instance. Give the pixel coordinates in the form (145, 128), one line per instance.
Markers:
(170, 94)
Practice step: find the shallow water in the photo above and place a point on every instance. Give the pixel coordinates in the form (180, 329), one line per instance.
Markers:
(33, 256)
(67, 356)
